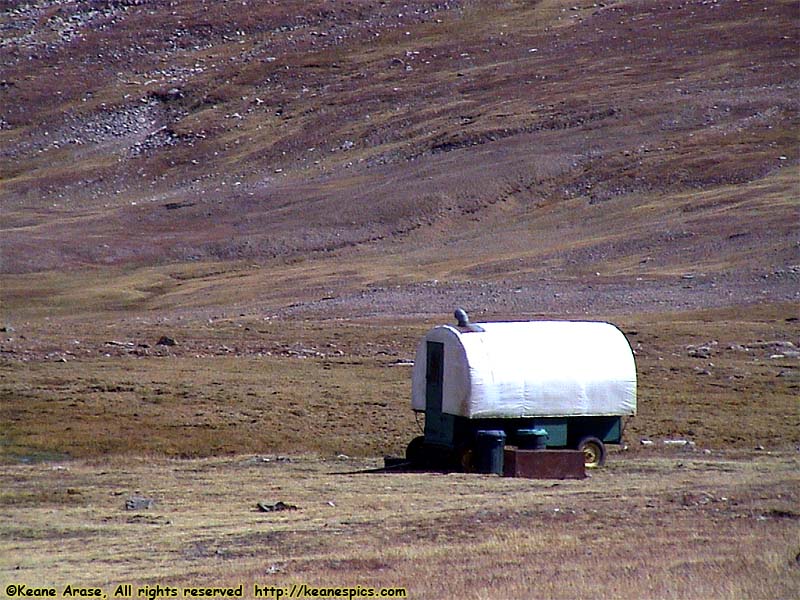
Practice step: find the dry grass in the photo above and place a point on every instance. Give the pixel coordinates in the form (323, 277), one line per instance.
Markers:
(246, 384)
(216, 405)
(656, 527)
(727, 232)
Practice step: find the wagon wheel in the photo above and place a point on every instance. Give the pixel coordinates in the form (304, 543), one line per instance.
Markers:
(594, 452)
(465, 458)
(415, 451)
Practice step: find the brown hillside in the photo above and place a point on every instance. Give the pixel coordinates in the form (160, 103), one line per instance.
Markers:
(459, 140)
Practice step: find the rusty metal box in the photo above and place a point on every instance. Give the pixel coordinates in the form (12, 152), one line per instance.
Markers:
(544, 464)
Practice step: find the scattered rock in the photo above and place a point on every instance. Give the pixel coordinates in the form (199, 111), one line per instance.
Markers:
(149, 520)
(177, 205)
(699, 351)
(402, 362)
(277, 507)
(166, 341)
(169, 95)
(697, 499)
(777, 513)
(139, 503)
(776, 346)
(257, 460)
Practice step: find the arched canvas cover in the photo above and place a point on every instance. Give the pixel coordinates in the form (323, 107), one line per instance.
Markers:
(531, 369)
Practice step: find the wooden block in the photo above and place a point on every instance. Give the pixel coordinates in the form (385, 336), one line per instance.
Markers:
(544, 464)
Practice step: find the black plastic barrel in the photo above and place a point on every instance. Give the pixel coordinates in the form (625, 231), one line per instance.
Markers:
(489, 447)
(532, 439)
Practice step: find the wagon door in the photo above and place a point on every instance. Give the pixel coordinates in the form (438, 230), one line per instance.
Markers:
(438, 426)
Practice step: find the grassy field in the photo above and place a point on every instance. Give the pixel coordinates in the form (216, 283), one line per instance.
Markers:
(245, 410)
(650, 526)
(246, 384)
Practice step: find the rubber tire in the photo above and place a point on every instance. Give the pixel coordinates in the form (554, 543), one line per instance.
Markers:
(415, 451)
(594, 451)
(465, 459)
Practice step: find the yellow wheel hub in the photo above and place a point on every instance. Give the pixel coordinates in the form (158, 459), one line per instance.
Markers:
(593, 452)
(592, 455)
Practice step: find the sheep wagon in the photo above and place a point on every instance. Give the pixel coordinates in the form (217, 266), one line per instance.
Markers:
(572, 381)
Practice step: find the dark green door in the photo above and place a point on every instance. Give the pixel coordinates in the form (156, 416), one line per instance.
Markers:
(438, 426)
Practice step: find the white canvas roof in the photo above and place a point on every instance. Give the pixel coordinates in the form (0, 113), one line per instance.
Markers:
(533, 368)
